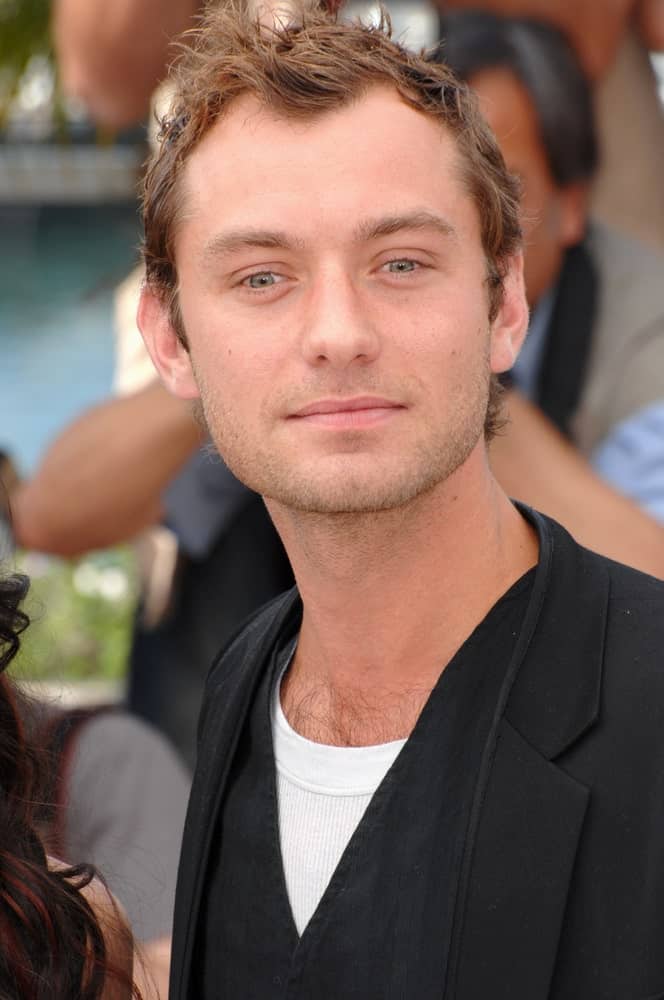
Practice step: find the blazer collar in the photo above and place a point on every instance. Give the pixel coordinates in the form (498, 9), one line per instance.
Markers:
(229, 692)
(528, 813)
(553, 694)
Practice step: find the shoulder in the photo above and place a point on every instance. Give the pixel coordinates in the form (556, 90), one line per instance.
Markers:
(626, 365)
(633, 662)
(636, 612)
(118, 939)
(603, 650)
(617, 608)
(115, 930)
(635, 599)
(118, 757)
(627, 268)
(124, 737)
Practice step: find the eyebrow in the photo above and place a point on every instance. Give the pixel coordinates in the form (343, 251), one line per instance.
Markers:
(389, 225)
(225, 244)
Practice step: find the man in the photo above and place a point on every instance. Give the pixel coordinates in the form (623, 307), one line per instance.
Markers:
(432, 770)
(594, 358)
(104, 61)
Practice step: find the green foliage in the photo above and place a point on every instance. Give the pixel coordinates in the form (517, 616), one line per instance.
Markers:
(24, 33)
(81, 613)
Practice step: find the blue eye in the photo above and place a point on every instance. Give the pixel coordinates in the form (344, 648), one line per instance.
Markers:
(262, 279)
(402, 266)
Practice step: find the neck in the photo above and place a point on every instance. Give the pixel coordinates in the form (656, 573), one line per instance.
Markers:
(390, 596)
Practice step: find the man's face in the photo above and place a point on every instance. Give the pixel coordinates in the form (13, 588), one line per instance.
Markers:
(332, 288)
(554, 215)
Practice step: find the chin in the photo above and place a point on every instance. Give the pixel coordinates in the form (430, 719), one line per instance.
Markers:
(348, 495)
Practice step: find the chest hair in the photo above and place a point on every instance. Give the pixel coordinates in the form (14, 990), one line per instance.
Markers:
(353, 717)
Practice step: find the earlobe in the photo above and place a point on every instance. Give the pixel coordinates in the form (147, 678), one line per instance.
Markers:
(509, 328)
(169, 355)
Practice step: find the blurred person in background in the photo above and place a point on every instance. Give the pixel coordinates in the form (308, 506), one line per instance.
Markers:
(62, 934)
(612, 39)
(112, 59)
(593, 362)
(116, 795)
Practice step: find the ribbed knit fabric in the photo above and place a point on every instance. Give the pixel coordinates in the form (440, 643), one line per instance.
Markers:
(322, 792)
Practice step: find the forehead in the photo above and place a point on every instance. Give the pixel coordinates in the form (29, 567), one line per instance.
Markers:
(376, 156)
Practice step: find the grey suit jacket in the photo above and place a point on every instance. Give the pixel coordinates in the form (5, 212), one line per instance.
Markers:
(625, 367)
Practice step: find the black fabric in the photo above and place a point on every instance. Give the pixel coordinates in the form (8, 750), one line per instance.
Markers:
(382, 928)
(569, 338)
(561, 890)
(247, 567)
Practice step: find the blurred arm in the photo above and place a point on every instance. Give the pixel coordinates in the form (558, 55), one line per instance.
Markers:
(111, 55)
(534, 463)
(101, 480)
(650, 19)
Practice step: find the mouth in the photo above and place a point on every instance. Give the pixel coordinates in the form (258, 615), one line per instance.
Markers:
(355, 412)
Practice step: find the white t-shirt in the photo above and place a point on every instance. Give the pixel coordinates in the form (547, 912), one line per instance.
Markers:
(322, 794)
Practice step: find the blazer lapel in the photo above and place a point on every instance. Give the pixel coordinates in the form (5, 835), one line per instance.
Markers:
(230, 689)
(528, 813)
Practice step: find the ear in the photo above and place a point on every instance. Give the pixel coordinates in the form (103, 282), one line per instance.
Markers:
(574, 213)
(509, 328)
(169, 355)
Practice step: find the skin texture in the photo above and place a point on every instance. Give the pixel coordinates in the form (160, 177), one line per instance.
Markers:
(151, 968)
(396, 317)
(117, 936)
(372, 506)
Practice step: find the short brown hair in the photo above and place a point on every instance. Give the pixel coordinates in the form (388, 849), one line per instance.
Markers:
(303, 70)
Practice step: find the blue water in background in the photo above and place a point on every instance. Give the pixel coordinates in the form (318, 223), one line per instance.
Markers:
(58, 269)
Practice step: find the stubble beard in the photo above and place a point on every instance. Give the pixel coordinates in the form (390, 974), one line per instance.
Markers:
(343, 488)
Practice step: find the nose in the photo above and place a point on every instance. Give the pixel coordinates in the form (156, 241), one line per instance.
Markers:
(339, 331)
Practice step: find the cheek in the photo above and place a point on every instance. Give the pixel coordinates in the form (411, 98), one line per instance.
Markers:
(238, 386)
(454, 351)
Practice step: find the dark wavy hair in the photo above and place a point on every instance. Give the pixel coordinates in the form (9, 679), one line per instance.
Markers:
(51, 943)
(544, 62)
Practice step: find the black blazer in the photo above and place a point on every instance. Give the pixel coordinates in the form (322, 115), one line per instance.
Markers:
(562, 885)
